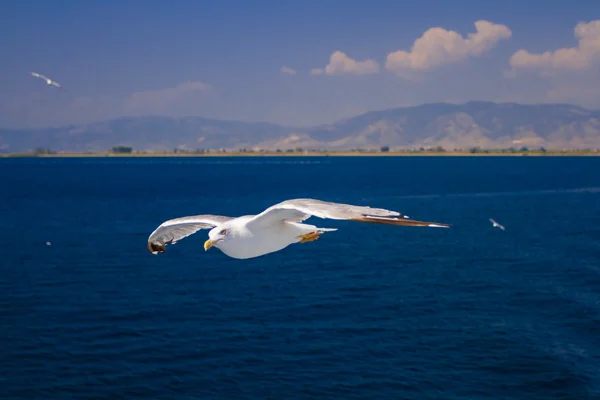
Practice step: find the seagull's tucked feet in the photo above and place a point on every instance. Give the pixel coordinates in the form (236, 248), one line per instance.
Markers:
(309, 237)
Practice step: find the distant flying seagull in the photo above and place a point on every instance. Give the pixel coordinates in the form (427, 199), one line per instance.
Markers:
(272, 230)
(48, 80)
(496, 225)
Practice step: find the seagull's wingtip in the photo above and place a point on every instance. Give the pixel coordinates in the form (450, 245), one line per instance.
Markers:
(439, 225)
(155, 248)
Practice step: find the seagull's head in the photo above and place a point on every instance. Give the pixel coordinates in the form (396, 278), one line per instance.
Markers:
(217, 235)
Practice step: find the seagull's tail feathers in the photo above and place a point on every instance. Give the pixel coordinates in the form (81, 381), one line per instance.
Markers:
(399, 222)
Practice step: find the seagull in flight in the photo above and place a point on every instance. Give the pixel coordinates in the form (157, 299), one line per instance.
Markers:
(496, 225)
(48, 80)
(272, 230)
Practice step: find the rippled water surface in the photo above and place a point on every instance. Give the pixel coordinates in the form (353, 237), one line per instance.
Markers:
(367, 312)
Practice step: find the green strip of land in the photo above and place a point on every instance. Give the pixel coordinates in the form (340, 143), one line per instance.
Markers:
(315, 153)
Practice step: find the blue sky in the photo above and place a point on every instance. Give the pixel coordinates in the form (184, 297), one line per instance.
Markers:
(223, 59)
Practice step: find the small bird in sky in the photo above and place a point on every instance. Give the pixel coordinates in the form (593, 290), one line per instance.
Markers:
(48, 80)
(496, 225)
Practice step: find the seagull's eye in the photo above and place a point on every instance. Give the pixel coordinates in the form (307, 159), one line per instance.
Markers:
(224, 231)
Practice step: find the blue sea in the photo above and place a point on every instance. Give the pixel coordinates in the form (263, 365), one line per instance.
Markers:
(366, 312)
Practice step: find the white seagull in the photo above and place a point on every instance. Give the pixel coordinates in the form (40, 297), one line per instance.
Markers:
(48, 80)
(272, 230)
(496, 225)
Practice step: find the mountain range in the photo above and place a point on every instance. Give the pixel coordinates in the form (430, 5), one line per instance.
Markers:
(451, 126)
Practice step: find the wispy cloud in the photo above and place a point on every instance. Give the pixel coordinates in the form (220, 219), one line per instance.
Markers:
(43, 108)
(340, 63)
(579, 58)
(439, 46)
(153, 101)
(288, 70)
(46, 108)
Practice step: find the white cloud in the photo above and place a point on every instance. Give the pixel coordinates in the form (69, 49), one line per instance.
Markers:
(288, 70)
(340, 63)
(577, 58)
(439, 46)
(152, 101)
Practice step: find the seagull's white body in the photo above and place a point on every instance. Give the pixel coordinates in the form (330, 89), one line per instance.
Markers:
(496, 225)
(272, 230)
(48, 80)
(247, 241)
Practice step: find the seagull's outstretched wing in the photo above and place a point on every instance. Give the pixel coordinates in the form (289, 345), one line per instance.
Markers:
(173, 230)
(37, 75)
(300, 209)
(53, 83)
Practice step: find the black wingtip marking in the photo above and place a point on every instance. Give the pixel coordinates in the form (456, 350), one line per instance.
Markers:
(156, 247)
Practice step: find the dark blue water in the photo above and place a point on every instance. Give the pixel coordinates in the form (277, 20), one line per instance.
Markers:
(367, 312)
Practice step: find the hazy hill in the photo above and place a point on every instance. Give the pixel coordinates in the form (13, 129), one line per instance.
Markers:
(483, 124)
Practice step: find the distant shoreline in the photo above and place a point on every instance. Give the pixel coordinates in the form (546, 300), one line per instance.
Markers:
(308, 154)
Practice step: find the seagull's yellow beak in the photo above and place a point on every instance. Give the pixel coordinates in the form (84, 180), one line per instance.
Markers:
(208, 244)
